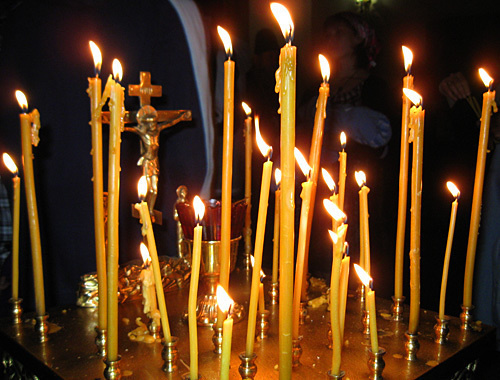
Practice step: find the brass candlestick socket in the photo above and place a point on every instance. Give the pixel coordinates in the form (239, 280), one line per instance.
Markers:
(154, 328)
(100, 341)
(42, 327)
(296, 352)
(263, 324)
(273, 293)
(397, 308)
(361, 292)
(247, 368)
(187, 376)
(340, 376)
(329, 336)
(302, 313)
(217, 339)
(170, 355)
(466, 317)
(17, 310)
(366, 322)
(376, 364)
(441, 329)
(247, 261)
(112, 370)
(411, 346)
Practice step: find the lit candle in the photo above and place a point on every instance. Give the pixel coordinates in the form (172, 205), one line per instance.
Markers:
(403, 179)
(364, 227)
(247, 132)
(276, 238)
(147, 230)
(417, 138)
(94, 92)
(199, 210)
(342, 170)
(262, 303)
(456, 194)
(150, 307)
(285, 85)
(30, 123)
(370, 301)
(225, 302)
(16, 190)
(117, 111)
(306, 195)
(334, 197)
(489, 106)
(267, 168)
(344, 279)
(227, 165)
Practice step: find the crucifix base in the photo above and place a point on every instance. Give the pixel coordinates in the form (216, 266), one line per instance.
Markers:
(156, 216)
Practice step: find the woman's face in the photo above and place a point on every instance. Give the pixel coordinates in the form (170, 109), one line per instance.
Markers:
(340, 40)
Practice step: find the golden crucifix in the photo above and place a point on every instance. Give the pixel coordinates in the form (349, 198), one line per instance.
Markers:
(149, 123)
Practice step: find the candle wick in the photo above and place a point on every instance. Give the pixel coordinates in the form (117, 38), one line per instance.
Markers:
(270, 153)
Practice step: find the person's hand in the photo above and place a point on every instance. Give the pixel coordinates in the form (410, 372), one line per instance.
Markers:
(454, 87)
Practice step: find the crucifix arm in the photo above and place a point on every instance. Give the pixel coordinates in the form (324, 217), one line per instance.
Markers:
(170, 118)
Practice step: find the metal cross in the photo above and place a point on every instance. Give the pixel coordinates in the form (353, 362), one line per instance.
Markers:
(145, 90)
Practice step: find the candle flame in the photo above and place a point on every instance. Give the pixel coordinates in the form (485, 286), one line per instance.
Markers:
(453, 189)
(334, 210)
(413, 96)
(408, 56)
(265, 149)
(21, 99)
(277, 176)
(334, 236)
(226, 40)
(262, 275)
(325, 67)
(328, 179)
(223, 299)
(96, 54)
(142, 187)
(284, 20)
(363, 276)
(252, 260)
(360, 178)
(485, 77)
(342, 230)
(304, 166)
(343, 139)
(246, 108)
(199, 208)
(9, 162)
(117, 70)
(145, 253)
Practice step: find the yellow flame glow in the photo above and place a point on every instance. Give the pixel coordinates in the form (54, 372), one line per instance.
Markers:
(263, 147)
(96, 54)
(360, 178)
(142, 187)
(144, 253)
(246, 108)
(485, 77)
(334, 210)
(328, 179)
(226, 40)
(325, 67)
(363, 276)
(413, 96)
(304, 166)
(453, 189)
(284, 19)
(277, 176)
(117, 70)
(21, 99)
(343, 139)
(199, 208)
(334, 236)
(408, 57)
(223, 299)
(9, 162)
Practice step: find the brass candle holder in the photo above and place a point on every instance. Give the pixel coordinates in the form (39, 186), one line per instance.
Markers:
(302, 312)
(296, 352)
(247, 368)
(154, 328)
(330, 375)
(466, 317)
(273, 293)
(329, 336)
(361, 293)
(17, 310)
(411, 346)
(100, 341)
(441, 329)
(366, 322)
(170, 355)
(376, 364)
(397, 308)
(112, 370)
(187, 376)
(42, 327)
(263, 324)
(217, 339)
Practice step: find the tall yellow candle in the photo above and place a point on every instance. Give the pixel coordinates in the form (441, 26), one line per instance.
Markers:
(259, 239)
(276, 238)
(147, 230)
(307, 189)
(94, 92)
(117, 111)
(342, 170)
(417, 138)
(199, 209)
(150, 307)
(227, 165)
(285, 85)
(334, 197)
(453, 217)
(403, 179)
(370, 301)
(364, 227)
(489, 106)
(30, 123)
(247, 132)
(16, 190)
(225, 302)
(344, 286)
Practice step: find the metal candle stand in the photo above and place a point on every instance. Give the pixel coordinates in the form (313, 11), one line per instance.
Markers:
(112, 370)
(100, 341)
(170, 355)
(42, 327)
(247, 368)
(17, 310)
